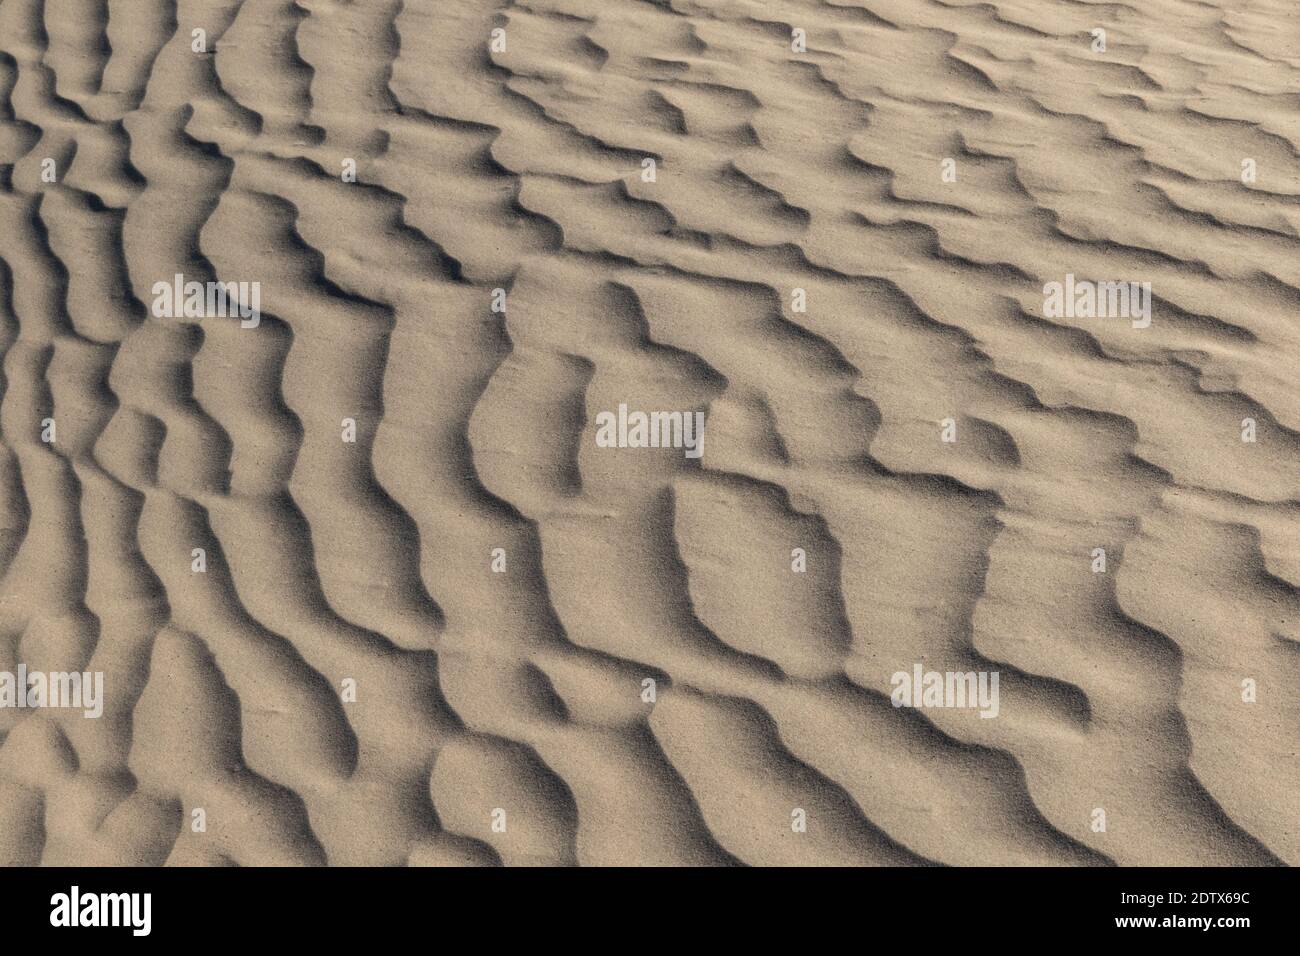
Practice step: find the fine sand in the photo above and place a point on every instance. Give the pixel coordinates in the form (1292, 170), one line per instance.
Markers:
(363, 579)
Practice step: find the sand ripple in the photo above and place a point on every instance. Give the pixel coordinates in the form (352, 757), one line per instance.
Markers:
(515, 695)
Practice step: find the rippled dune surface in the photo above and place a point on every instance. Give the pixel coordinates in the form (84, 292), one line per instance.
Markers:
(363, 584)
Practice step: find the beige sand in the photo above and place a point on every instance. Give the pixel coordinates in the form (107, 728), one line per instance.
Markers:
(352, 673)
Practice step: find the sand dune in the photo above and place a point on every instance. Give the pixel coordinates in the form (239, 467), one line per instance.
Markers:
(367, 580)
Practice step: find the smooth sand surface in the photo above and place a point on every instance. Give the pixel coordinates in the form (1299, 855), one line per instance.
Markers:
(434, 644)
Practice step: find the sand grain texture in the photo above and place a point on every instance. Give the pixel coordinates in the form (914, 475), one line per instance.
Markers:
(521, 690)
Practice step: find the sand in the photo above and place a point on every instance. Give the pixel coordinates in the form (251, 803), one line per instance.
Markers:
(388, 571)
